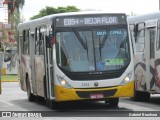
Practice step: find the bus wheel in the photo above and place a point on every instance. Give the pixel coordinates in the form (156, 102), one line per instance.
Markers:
(31, 97)
(141, 96)
(113, 102)
(136, 96)
(146, 96)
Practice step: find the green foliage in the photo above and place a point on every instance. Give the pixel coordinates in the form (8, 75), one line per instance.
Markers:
(51, 10)
(14, 7)
(7, 78)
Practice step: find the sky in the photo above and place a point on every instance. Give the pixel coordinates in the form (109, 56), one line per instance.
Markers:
(32, 7)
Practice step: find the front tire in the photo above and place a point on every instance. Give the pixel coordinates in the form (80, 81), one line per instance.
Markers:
(113, 102)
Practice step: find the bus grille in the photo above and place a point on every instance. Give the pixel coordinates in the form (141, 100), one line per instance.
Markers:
(87, 94)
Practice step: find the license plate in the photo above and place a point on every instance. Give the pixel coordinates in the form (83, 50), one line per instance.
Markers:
(96, 96)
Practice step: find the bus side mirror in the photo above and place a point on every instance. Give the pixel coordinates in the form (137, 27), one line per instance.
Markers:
(48, 41)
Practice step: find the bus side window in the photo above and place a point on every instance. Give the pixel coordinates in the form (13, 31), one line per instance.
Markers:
(140, 35)
(158, 37)
(37, 41)
(26, 42)
(23, 49)
(41, 44)
(132, 33)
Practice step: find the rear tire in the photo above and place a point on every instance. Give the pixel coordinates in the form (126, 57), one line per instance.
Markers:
(141, 96)
(30, 96)
(146, 96)
(136, 96)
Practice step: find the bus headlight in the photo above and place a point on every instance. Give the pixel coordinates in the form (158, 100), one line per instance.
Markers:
(63, 82)
(127, 79)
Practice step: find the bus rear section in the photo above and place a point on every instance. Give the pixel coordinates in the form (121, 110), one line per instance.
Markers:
(86, 57)
(145, 37)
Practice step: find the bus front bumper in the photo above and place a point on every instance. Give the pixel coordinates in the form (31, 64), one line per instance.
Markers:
(65, 94)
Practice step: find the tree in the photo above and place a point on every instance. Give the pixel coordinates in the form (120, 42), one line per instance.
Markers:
(14, 7)
(51, 10)
(15, 4)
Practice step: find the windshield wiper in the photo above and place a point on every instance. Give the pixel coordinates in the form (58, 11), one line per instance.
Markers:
(80, 38)
(104, 40)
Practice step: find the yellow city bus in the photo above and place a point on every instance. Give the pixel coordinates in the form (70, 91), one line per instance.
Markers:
(76, 56)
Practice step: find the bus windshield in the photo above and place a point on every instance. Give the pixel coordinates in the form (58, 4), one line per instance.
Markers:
(99, 49)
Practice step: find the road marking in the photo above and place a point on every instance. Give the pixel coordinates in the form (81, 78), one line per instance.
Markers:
(7, 103)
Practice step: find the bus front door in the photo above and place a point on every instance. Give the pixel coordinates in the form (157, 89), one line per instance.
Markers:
(49, 72)
(154, 78)
(150, 64)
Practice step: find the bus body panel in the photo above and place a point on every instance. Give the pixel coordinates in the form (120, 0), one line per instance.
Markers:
(90, 83)
(88, 87)
(39, 74)
(25, 71)
(63, 94)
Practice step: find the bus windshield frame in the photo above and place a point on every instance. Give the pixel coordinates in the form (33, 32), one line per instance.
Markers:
(93, 42)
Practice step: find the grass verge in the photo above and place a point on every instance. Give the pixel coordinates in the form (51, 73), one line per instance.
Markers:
(9, 78)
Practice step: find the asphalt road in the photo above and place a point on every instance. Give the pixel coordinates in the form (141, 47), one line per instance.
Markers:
(14, 99)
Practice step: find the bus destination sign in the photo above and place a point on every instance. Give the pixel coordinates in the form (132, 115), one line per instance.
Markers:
(78, 21)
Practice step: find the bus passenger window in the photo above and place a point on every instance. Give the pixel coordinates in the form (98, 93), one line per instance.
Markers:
(37, 42)
(152, 39)
(26, 42)
(158, 40)
(140, 41)
(41, 43)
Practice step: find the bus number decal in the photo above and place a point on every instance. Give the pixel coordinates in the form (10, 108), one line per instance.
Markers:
(85, 84)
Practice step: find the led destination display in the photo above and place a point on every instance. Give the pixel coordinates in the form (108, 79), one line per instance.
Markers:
(90, 20)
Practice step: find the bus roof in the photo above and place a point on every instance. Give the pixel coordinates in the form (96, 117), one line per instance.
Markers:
(48, 19)
(141, 18)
